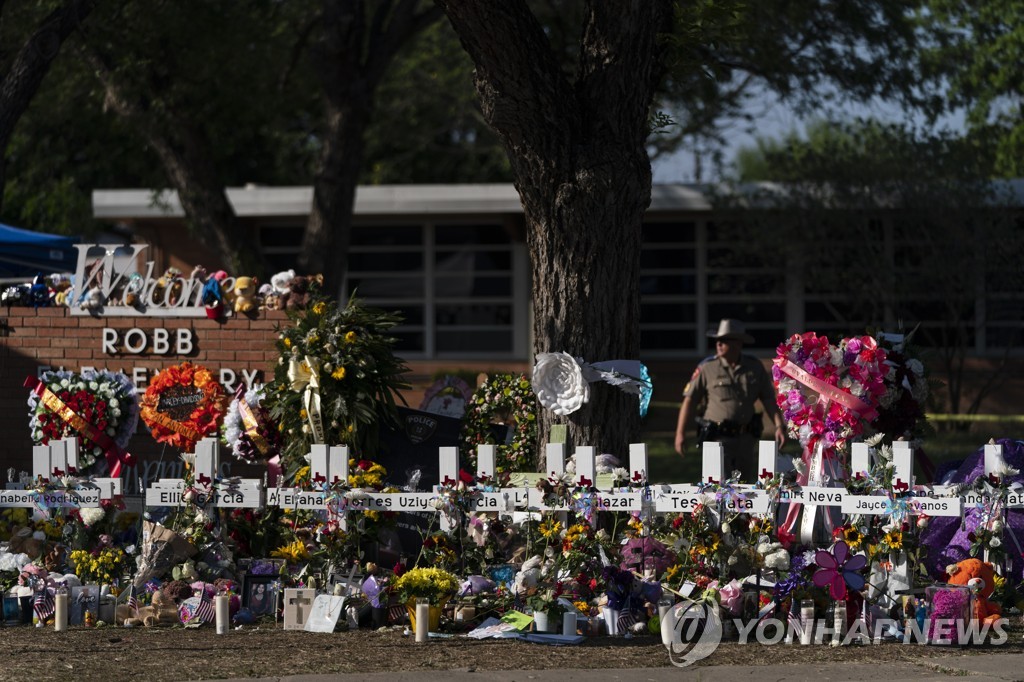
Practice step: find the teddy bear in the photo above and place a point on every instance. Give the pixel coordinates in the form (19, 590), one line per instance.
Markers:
(980, 577)
(168, 287)
(279, 281)
(300, 292)
(24, 541)
(245, 295)
(161, 611)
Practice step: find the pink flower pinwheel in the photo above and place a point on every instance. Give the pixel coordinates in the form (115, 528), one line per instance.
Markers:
(838, 569)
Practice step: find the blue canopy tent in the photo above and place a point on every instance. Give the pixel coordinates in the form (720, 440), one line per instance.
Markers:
(24, 253)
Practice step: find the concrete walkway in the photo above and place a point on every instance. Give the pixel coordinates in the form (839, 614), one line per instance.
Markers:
(987, 667)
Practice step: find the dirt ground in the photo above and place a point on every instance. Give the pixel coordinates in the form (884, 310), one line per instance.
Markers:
(110, 654)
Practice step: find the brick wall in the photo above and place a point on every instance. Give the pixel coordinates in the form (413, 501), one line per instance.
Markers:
(53, 337)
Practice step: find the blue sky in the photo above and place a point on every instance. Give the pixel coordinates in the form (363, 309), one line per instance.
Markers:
(774, 119)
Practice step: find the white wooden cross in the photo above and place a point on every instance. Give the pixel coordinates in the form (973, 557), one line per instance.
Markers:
(902, 482)
(327, 466)
(226, 493)
(55, 460)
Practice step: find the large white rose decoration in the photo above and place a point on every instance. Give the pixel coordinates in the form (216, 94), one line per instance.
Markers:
(559, 384)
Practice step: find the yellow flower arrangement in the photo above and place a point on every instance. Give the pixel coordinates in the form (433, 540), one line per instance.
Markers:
(372, 476)
(435, 584)
(550, 529)
(574, 532)
(294, 552)
(105, 567)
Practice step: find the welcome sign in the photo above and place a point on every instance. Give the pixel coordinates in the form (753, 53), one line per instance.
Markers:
(113, 272)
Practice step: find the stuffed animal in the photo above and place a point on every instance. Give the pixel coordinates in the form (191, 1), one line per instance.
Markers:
(245, 295)
(269, 299)
(60, 286)
(280, 281)
(213, 294)
(92, 299)
(162, 611)
(168, 287)
(39, 292)
(24, 541)
(980, 577)
(300, 292)
(133, 290)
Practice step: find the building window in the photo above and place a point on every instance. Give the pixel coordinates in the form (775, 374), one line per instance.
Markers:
(456, 285)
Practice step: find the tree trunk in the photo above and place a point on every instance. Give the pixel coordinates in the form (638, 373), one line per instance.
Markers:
(584, 178)
(350, 61)
(22, 80)
(329, 227)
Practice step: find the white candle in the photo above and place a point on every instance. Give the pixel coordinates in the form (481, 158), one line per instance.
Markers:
(422, 620)
(611, 619)
(807, 620)
(60, 617)
(221, 602)
(569, 624)
(840, 622)
(665, 605)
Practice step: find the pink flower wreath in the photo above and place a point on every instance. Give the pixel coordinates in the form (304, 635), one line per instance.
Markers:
(828, 393)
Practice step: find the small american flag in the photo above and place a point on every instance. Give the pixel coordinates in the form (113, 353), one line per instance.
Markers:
(43, 605)
(627, 619)
(205, 613)
(133, 599)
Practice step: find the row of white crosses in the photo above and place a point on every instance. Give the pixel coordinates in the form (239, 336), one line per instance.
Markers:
(52, 462)
(329, 465)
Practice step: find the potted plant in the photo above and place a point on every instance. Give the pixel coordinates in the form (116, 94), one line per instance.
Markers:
(436, 585)
(547, 611)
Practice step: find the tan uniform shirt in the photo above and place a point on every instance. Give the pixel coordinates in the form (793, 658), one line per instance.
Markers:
(731, 391)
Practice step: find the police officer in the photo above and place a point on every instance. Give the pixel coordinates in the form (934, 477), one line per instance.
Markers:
(730, 383)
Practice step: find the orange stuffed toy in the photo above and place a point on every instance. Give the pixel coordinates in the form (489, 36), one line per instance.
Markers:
(980, 577)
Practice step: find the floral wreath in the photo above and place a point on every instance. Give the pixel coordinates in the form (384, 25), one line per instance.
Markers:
(182, 405)
(849, 379)
(248, 429)
(101, 408)
(510, 398)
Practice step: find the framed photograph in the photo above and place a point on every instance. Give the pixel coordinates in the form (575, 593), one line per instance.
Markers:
(83, 598)
(351, 583)
(12, 611)
(260, 594)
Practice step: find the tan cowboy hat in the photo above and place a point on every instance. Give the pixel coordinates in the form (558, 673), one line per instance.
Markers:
(731, 329)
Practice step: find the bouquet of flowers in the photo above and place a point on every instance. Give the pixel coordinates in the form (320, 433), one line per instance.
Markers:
(248, 429)
(434, 584)
(100, 408)
(336, 380)
(105, 566)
